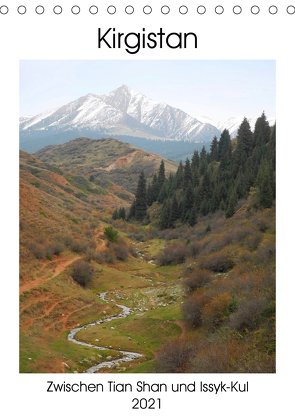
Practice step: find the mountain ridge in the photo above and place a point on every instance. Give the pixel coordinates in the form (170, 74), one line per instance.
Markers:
(121, 112)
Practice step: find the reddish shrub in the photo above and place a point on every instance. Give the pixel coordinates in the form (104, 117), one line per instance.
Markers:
(55, 248)
(121, 253)
(248, 315)
(221, 261)
(197, 278)
(39, 250)
(215, 242)
(174, 356)
(230, 356)
(82, 272)
(214, 312)
(192, 308)
(174, 254)
(106, 257)
(219, 357)
(267, 249)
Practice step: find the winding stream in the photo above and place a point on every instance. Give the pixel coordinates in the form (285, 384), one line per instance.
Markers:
(127, 355)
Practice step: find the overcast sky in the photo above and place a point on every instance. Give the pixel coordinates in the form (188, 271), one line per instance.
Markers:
(215, 89)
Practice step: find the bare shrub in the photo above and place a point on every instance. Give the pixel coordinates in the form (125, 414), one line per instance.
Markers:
(82, 272)
(194, 249)
(22, 224)
(39, 250)
(120, 252)
(252, 241)
(221, 261)
(136, 236)
(107, 257)
(41, 239)
(79, 246)
(174, 356)
(218, 357)
(267, 250)
(152, 233)
(247, 235)
(247, 278)
(91, 254)
(169, 234)
(192, 308)
(215, 242)
(132, 229)
(214, 312)
(88, 233)
(248, 315)
(49, 250)
(57, 247)
(93, 223)
(262, 220)
(240, 232)
(197, 278)
(67, 240)
(92, 245)
(230, 356)
(172, 255)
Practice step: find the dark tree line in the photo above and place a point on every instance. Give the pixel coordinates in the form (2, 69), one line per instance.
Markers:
(119, 214)
(213, 180)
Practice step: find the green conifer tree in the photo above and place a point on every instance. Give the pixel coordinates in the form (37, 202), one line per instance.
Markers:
(187, 175)
(195, 161)
(115, 215)
(203, 160)
(122, 214)
(192, 219)
(155, 189)
(206, 187)
(214, 149)
(163, 194)
(265, 182)
(164, 217)
(174, 212)
(266, 193)
(261, 131)
(244, 147)
(188, 201)
(149, 195)
(131, 214)
(205, 206)
(179, 175)
(231, 205)
(222, 205)
(224, 150)
(140, 198)
(161, 175)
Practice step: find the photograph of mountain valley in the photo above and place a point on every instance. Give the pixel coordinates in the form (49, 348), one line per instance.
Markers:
(147, 232)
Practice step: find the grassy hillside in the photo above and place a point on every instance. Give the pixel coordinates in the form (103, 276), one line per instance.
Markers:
(62, 220)
(105, 159)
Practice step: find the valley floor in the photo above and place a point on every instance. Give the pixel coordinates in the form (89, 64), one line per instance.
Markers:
(52, 304)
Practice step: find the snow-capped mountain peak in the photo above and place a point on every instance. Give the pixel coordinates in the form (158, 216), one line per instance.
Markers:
(123, 112)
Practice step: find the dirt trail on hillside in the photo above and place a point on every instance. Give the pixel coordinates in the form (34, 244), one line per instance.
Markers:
(99, 233)
(61, 266)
